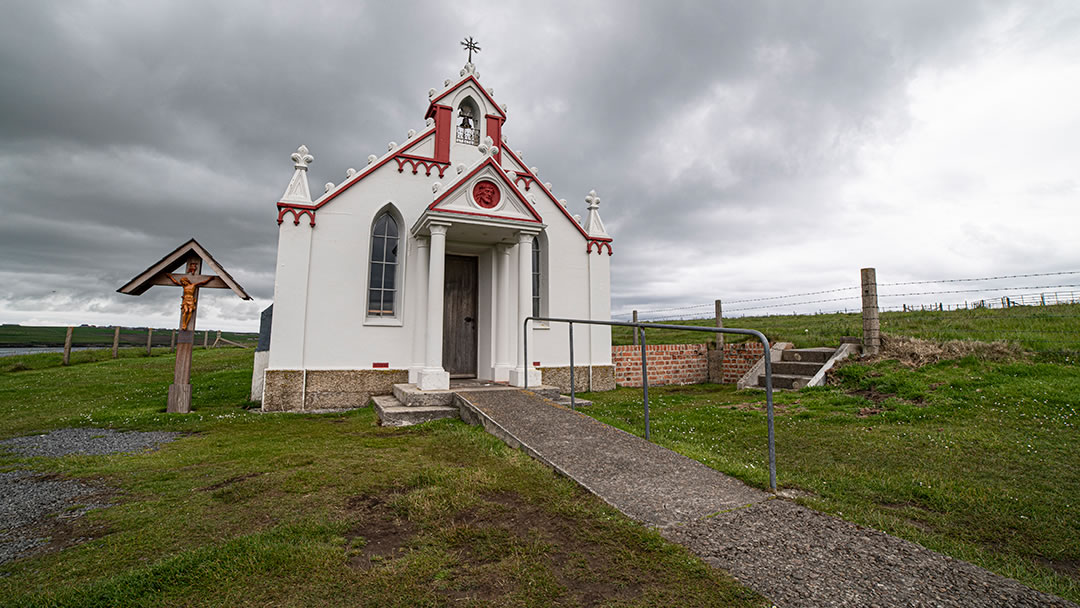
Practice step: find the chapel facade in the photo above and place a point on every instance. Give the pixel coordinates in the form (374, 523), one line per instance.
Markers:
(422, 266)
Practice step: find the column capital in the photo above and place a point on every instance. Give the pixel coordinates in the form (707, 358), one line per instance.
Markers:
(438, 229)
(525, 238)
(504, 248)
(422, 242)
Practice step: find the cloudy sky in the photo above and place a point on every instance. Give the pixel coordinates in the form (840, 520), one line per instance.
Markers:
(741, 149)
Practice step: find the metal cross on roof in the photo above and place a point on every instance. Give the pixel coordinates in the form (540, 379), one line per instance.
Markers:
(470, 44)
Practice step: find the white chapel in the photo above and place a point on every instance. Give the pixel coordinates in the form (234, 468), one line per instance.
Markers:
(421, 267)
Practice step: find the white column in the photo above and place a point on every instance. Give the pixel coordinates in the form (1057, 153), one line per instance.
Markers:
(419, 302)
(433, 377)
(504, 332)
(517, 375)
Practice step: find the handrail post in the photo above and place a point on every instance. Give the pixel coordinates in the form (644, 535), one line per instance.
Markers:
(645, 382)
(769, 413)
(525, 349)
(573, 397)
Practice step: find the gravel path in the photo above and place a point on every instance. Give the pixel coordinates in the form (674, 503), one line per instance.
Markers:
(32, 504)
(93, 442)
(795, 556)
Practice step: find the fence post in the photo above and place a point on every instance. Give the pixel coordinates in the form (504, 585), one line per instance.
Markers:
(719, 324)
(635, 329)
(871, 322)
(149, 338)
(116, 342)
(172, 342)
(67, 345)
(645, 382)
(206, 339)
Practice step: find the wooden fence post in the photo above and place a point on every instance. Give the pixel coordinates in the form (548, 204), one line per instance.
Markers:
(149, 338)
(116, 342)
(635, 329)
(206, 339)
(871, 320)
(172, 342)
(719, 324)
(67, 345)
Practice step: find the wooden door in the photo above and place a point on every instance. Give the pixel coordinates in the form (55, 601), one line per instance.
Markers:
(459, 316)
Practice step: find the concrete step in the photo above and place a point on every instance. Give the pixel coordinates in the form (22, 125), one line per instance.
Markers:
(410, 396)
(392, 412)
(788, 381)
(796, 368)
(812, 355)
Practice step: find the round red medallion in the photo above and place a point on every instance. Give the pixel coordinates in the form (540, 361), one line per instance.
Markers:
(486, 194)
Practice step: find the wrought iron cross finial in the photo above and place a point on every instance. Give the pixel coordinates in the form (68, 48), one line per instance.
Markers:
(471, 45)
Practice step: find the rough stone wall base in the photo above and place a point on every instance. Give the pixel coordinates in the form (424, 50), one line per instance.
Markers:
(323, 389)
(603, 377)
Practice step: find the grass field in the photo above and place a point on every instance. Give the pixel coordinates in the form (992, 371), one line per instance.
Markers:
(251, 509)
(37, 335)
(1046, 329)
(976, 459)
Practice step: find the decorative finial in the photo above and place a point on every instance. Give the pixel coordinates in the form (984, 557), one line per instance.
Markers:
(372, 158)
(592, 200)
(350, 172)
(391, 145)
(301, 158)
(471, 46)
(429, 122)
(328, 186)
(435, 187)
(411, 134)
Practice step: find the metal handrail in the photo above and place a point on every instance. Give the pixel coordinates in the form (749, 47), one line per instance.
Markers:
(645, 368)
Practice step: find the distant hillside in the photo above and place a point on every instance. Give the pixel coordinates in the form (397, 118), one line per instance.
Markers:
(85, 335)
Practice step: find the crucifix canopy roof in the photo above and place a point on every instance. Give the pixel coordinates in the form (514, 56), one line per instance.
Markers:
(155, 274)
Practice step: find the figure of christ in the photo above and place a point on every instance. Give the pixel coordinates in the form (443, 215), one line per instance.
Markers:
(188, 304)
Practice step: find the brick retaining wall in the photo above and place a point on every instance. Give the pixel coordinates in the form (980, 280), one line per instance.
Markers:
(682, 363)
(739, 358)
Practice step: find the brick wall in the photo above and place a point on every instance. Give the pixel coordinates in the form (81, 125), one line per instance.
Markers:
(668, 364)
(739, 358)
(682, 363)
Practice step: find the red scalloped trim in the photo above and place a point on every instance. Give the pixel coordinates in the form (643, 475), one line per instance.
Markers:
(416, 162)
(600, 244)
(297, 211)
(524, 177)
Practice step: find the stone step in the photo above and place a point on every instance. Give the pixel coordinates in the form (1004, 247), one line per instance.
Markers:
(796, 368)
(410, 396)
(392, 412)
(785, 381)
(812, 355)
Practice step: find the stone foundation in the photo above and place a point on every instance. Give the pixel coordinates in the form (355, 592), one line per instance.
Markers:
(290, 390)
(603, 377)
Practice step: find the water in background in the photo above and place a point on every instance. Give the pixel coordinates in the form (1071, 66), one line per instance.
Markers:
(33, 350)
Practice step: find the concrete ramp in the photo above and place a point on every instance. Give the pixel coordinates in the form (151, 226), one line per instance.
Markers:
(647, 482)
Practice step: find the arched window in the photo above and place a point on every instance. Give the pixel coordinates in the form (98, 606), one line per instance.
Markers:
(537, 277)
(383, 283)
(468, 130)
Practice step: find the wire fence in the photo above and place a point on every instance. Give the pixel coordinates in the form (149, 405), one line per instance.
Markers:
(1038, 311)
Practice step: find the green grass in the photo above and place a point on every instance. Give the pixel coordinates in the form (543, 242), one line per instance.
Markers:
(250, 509)
(976, 459)
(40, 335)
(1036, 328)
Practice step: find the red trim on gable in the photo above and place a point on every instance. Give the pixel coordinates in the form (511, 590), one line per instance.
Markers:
(444, 124)
(476, 82)
(600, 244)
(525, 177)
(416, 162)
(498, 170)
(532, 176)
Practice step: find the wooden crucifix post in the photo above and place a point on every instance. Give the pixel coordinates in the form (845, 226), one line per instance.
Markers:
(191, 256)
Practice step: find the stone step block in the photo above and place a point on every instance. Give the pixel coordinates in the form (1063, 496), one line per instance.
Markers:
(392, 412)
(812, 355)
(410, 396)
(785, 381)
(796, 368)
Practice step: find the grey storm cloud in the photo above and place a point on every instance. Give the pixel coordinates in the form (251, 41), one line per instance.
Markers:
(126, 128)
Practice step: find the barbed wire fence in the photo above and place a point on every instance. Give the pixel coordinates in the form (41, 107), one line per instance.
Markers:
(1037, 311)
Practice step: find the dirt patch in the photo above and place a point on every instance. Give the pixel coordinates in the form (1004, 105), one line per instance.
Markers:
(380, 534)
(228, 482)
(915, 352)
(866, 412)
(578, 564)
(1068, 567)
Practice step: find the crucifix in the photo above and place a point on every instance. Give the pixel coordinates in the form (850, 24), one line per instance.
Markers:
(191, 256)
(470, 44)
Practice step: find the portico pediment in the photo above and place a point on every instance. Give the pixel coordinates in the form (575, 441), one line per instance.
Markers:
(485, 195)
